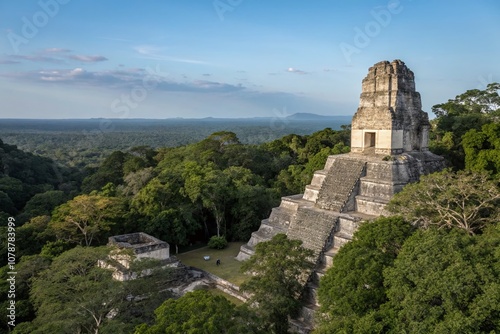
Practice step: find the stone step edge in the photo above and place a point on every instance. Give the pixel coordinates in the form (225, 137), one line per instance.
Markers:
(372, 199)
(381, 181)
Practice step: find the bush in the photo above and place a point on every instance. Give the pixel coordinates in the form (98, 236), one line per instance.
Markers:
(217, 242)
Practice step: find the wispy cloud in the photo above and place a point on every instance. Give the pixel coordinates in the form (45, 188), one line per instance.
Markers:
(156, 53)
(37, 58)
(55, 50)
(295, 70)
(121, 79)
(88, 59)
(52, 55)
(9, 62)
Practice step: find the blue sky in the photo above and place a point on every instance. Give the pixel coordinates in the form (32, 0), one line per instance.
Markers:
(233, 58)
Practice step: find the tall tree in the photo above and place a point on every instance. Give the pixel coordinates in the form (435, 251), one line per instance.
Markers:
(74, 295)
(353, 287)
(467, 111)
(279, 268)
(482, 148)
(465, 200)
(445, 282)
(200, 312)
(250, 201)
(208, 185)
(85, 217)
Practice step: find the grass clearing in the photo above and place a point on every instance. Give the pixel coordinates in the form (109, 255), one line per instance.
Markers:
(229, 268)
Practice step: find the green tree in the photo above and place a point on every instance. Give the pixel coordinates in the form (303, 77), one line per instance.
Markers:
(85, 217)
(280, 268)
(249, 201)
(445, 282)
(43, 203)
(32, 235)
(168, 215)
(474, 101)
(174, 225)
(208, 185)
(27, 269)
(135, 181)
(482, 148)
(465, 200)
(6, 204)
(353, 288)
(470, 110)
(74, 295)
(111, 170)
(14, 189)
(199, 312)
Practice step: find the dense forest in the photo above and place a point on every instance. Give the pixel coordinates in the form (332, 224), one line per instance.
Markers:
(87, 142)
(434, 266)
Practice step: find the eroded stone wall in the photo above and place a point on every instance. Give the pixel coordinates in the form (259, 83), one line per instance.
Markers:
(391, 109)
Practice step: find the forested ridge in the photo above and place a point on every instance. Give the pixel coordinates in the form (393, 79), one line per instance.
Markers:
(433, 266)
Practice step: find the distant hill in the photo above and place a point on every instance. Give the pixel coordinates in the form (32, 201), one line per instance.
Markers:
(315, 117)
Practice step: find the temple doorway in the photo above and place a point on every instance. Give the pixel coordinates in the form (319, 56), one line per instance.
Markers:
(369, 139)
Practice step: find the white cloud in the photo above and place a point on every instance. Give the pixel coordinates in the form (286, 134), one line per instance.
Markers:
(294, 70)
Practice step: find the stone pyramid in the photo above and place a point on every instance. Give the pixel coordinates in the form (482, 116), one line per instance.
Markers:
(388, 150)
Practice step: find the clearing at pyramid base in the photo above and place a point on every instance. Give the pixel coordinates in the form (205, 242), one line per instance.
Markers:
(389, 135)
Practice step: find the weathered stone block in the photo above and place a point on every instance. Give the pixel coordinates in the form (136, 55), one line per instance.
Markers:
(389, 117)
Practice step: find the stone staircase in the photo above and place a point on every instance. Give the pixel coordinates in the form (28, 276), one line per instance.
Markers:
(313, 226)
(279, 221)
(349, 190)
(339, 183)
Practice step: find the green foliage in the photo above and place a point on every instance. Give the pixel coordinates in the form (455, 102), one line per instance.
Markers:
(42, 204)
(439, 281)
(6, 204)
(465, 200)
(199, 312)
(216, 242)
(28, 268)
(53, 249)
(468, 111)
(33, 235)
(208, 185)
(86, 217)
(23, 175)
(482, 149)
(446, 282)
(14, 191)
(111, 170)
(280, 268)
(168, 216)
(354, 286)
(74, 295)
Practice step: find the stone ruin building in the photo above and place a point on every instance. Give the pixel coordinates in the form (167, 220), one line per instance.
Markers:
(143, 246)
(388, 150)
